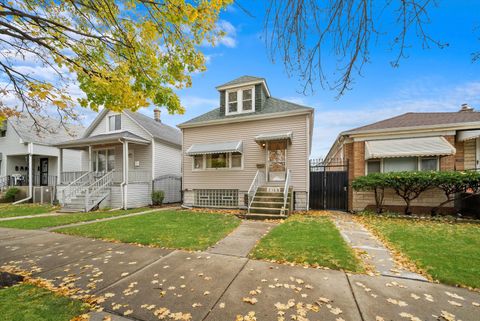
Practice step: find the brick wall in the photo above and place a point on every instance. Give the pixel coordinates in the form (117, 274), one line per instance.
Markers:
(357, 201)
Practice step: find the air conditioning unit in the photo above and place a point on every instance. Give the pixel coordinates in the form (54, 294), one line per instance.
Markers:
(43, 194)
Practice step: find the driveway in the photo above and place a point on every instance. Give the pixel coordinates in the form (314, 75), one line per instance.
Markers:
(142, 283)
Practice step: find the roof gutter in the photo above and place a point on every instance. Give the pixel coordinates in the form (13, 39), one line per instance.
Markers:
(228, 120)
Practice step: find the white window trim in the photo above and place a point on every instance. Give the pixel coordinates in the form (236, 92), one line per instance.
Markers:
(204, 164)
(419, 163)
(108, 123)
(239, 92)
(95, 157)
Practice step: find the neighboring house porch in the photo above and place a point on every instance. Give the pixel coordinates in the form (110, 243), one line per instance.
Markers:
(119, 173)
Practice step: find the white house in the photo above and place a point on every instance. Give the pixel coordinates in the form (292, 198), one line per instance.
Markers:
(28, 158)
(126, 152)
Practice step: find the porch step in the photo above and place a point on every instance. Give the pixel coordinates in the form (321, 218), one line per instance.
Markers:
(266, 210)
(267, 204)
(265, 216)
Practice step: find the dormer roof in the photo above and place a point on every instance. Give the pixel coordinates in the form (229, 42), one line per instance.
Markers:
(244, 81)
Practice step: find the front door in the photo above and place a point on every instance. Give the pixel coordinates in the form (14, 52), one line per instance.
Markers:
(43, 171)
(277, 161)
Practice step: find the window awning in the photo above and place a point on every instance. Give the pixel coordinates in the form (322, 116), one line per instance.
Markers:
(274, 136)
(408, 147)
(468, 134)
(214, 148)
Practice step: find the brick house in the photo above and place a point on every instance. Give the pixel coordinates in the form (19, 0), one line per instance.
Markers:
(442, 141)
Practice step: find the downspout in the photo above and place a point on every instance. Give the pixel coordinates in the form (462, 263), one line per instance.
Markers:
(122, 184)
(30, 178)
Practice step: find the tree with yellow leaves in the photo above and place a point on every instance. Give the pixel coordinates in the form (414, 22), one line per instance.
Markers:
(122, 54)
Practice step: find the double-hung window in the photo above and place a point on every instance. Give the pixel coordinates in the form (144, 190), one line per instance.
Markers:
(240, 101)
(114, 122)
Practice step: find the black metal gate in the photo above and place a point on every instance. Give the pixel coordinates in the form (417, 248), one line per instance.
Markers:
(328, 184)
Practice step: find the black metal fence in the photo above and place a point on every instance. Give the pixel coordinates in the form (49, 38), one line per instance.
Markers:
(328, 184)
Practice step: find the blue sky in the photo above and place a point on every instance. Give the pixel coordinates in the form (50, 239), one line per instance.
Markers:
(429, 80)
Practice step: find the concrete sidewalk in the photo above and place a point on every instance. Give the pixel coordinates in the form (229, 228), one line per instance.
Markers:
(150, 284)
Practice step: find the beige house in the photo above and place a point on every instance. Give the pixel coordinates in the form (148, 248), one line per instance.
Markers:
(250, 152)
(413, 141)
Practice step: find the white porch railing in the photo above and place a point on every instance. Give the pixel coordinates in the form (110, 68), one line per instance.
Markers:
(97, 190)
(286, 189)
(76, 187)
(258, 181)
(69, 177)
(135, 176)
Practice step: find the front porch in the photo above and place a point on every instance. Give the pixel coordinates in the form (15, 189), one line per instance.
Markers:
(119, 173)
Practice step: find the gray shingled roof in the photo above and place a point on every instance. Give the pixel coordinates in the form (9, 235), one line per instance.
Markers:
(55, 132)
(241, 80)
(104, 138)
(272, 105)
(419, 120)
(157, 129)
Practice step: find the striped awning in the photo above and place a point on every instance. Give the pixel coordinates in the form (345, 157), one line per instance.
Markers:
(408, 147)
(468, 134)
(214, 148)
(274, 136)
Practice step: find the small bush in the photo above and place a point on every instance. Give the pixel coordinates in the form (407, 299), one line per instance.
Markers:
(11, 194)
(157, 197)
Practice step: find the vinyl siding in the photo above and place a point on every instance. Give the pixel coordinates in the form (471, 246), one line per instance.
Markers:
(168, 160)
(127, 125)
(297, 152)
(71, 160)
(139, 195)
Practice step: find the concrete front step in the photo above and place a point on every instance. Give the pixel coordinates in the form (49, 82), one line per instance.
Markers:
(268, 194)
(266, 210)
(267, 204)
(264, 216)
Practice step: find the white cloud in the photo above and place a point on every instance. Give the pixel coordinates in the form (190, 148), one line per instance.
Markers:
(426, 98)
(229, 39)
(195, 102)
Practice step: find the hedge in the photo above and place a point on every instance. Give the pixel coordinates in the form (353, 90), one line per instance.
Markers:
(410, 185)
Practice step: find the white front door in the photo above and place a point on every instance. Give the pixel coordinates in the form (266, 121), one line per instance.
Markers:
(276, 161)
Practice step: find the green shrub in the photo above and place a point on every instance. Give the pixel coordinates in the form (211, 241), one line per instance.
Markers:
(410, 185)
(157, 197)
(11, 193)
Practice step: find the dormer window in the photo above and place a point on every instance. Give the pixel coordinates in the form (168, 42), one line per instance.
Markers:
(240, 100)
(114, 122)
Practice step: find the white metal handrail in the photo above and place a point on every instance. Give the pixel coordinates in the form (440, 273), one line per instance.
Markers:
(97, 189)
(286, 189)
(69, 177)
(258, 181)
(76, 187)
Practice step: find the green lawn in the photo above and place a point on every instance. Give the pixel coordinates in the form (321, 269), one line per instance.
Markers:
(170, 229)
(449, 252)
(64, 219)
(307, 240)
(25, 302)
(24, 209)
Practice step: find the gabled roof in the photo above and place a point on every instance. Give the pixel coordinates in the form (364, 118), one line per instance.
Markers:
(156, 129)
(271, 106)
(241, 80)
(56, 132)
(418, 120)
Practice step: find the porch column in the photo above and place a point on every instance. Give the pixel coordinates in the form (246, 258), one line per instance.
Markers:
(125, 175)
(90, 159)
(60, 167)
(30, 170)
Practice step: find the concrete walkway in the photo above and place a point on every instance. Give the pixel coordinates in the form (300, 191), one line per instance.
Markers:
(30, 216)
(243, 239)
(375, 254)
(143, 283)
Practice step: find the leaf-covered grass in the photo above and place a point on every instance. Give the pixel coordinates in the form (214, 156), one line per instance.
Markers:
(449, 252)
(26, 302)
(11, 210)
(171, 229)
(64, 219)
(307, 240)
